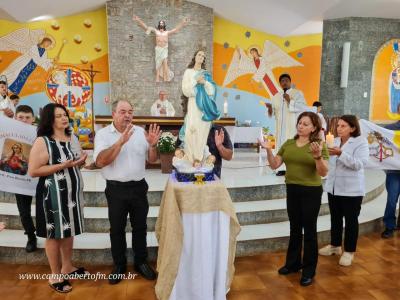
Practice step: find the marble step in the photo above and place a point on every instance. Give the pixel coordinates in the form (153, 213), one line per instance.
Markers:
(248, 213)
(94, 248)
(265, 187)
(238, 194)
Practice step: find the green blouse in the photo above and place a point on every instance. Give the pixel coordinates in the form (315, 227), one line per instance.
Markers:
(300, 164)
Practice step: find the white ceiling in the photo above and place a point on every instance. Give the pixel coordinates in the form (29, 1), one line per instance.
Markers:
(281, 17)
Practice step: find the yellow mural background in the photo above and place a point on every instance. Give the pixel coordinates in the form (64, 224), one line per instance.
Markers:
(305, 78)
(72, 53)
(381, 75)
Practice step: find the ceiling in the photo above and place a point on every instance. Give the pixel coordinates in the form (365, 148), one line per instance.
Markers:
(283, 17)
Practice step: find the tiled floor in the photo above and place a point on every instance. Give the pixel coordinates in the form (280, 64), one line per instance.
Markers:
(374, 275)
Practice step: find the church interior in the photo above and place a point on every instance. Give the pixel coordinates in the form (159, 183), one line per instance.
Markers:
(252, 70)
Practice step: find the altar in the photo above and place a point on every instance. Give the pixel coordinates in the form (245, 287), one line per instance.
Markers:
(196, 230)
(165, 123)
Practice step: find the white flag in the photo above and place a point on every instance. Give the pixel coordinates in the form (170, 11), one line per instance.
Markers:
(384, 146)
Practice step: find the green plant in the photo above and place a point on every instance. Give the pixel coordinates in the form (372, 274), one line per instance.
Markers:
(166, 143)
(265, 130)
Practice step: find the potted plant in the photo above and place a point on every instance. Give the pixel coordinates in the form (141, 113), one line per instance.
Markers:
(166, 148)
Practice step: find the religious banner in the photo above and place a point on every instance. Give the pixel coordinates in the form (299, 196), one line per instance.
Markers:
(16, 139)
(384, 146)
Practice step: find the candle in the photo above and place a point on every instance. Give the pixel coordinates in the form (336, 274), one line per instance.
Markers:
(330, 140)
(225, 107)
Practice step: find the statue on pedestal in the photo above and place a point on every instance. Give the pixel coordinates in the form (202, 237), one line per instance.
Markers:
(199, 87)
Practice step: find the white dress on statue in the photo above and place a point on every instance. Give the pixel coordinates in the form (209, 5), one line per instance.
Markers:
(197, 130)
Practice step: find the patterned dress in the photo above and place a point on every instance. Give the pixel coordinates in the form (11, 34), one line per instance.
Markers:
(59, 196)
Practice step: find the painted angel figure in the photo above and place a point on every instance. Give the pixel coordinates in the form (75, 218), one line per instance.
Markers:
(33, 46)
(161, 49)
(260, 65)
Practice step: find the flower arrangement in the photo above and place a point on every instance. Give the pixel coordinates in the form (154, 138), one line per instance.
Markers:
(166, 143)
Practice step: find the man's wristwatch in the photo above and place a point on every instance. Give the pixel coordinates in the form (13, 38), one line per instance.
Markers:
(318, 157)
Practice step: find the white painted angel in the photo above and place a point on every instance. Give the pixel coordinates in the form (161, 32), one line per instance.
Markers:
(260, 65)
(33, 46)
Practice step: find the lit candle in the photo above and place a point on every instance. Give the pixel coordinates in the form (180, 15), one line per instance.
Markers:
(225, 107)
(330, 140)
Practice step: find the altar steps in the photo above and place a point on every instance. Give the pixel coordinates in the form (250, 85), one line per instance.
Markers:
(257, 194)
(248, 213)
(94, 248)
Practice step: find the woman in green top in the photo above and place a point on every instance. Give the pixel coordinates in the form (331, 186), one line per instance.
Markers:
(306, 159)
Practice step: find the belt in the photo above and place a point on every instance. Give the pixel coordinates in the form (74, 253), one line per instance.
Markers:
(126, 183)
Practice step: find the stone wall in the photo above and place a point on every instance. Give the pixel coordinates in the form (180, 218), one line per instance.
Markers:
(131, 51)
(366, 35)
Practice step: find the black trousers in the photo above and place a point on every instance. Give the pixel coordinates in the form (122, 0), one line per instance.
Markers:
(303, 204)
(127, 198)
(24, 203)
(349, 208)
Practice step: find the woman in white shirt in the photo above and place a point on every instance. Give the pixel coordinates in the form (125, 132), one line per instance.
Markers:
(345, 186)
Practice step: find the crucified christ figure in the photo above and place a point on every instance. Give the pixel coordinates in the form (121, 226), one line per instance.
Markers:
(161, 49)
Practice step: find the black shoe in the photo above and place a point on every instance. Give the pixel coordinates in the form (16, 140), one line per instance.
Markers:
(31, 245)
(285, 270)
(280, 173)
(116, 274)
(388, 233)
(305, 281)
(146, 271)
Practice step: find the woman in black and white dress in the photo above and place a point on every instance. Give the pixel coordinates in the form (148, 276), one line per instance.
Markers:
(59, 193)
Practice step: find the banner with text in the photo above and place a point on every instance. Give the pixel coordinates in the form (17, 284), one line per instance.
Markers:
(16, 139)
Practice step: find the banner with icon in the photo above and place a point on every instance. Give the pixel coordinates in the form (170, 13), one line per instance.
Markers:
(16, 139)
(384, 146)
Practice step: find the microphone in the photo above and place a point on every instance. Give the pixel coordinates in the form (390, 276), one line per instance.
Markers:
(284, 92)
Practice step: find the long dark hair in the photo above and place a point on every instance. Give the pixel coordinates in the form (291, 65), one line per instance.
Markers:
(255, 49)
(159, 25)
(47, 117)
(314, 136)
(353, 123)
(193, 62)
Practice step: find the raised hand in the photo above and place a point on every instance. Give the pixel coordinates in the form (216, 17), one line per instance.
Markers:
(75, 163)
(8, 112)
(219, 137)
(266, 144)
(81, 160)
(126, 134)
(316, 149)
(335, 151)
(286, 97)
(153, 135)
(269, 108)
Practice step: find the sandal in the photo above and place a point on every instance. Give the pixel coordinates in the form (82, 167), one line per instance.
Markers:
(79, 271)
(59, 286)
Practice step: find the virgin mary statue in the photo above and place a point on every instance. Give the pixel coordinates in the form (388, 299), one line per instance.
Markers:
(199, 87)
